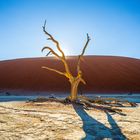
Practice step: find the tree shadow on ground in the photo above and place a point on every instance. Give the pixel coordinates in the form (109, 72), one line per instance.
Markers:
(96, 130)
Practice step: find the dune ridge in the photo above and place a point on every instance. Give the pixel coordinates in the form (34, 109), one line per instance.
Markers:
(104, 74)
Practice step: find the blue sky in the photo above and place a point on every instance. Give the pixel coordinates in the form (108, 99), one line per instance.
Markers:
(113, 25)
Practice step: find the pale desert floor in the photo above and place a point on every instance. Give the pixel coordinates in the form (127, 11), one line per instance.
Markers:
(55, 121)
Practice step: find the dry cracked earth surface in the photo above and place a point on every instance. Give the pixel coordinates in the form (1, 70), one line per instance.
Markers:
(55, 121)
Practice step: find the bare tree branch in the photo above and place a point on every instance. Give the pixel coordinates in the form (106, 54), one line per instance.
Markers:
(51, 50)
(58, 47)
(48, 53)
(53, 40)
(83, 81)
(83, 51)
(63, 60)
(54, 70)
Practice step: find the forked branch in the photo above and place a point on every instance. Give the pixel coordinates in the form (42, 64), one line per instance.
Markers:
(51, 51)
(62, 58)
(83, 51)
(53, 40)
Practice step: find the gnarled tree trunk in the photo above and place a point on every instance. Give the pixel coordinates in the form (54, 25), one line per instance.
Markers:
(74, 90)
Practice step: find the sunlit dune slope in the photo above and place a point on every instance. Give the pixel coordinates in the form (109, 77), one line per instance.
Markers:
(101, 73)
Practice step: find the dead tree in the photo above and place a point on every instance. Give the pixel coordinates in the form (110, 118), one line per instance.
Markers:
(74, 80)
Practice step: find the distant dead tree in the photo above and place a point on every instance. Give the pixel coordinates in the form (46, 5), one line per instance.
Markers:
(74, 80)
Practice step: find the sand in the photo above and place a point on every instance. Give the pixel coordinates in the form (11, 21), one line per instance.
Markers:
(101, 73)
(55, 121)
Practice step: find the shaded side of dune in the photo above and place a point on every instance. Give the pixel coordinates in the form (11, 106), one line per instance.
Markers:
(101, 73)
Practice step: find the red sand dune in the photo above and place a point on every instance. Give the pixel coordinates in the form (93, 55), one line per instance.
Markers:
(102, 74)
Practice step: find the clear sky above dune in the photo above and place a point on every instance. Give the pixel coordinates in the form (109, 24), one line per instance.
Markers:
(113, 25)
